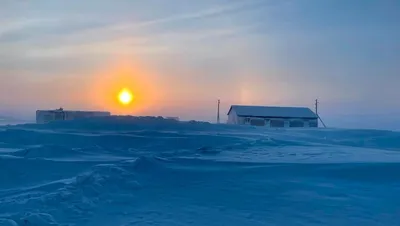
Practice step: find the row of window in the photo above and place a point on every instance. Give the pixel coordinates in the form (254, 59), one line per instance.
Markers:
(280, 123)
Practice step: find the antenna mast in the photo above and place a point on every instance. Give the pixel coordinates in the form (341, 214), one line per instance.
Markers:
(218, 111)
(316, 112)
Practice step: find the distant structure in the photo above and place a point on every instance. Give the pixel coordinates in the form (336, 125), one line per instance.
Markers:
(45, 116)
(173, 118)
(218, 111)
(316, 112)
(272, 116)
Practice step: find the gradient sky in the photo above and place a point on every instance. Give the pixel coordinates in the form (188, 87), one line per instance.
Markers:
(180, 56)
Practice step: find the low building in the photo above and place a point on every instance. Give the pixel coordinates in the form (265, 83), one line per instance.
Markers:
(271, 116)
(44, 116)
(173, 118)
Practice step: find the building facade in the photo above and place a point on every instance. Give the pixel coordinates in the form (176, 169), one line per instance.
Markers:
(44, 116)
(271, 116)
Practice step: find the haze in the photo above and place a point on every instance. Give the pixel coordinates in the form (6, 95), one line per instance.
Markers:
(180, 56)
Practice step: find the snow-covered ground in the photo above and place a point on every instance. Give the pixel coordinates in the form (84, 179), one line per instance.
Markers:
(144, 171)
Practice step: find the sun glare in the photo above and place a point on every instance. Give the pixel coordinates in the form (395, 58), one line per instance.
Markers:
(125, 97)
(125, 87)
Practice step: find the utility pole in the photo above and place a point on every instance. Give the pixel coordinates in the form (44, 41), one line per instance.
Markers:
(316, 112)
(218, 111)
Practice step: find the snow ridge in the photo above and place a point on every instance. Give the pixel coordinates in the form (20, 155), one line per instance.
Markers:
(154, 171)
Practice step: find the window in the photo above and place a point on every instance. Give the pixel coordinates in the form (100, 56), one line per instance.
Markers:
(296, 123)
(257, 122)
(47, 117)
(277, 123)
(313, 123)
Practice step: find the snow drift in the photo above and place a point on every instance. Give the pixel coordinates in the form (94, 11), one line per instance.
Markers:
(153, 171)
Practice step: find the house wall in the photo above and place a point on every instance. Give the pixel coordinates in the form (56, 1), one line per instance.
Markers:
(47, 116)
(313, 123)
(84, 114)
(232, 117)
(272, 122)
(44, 116)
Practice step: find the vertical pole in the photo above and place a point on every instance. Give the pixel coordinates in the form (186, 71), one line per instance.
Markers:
(316, 112)
(218, 112)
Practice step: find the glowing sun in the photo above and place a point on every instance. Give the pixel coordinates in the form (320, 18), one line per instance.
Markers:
(125, 96)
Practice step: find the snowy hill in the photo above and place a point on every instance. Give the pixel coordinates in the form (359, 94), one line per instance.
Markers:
(152, 171)
(6, 120)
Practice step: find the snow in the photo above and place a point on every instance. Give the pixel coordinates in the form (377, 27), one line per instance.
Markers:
(151, 171)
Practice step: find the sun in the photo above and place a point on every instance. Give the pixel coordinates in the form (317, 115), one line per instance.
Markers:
(125, 96)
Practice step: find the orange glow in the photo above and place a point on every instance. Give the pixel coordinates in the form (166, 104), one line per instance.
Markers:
(139, 96)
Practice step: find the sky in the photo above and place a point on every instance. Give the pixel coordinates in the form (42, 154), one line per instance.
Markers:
(179, 57)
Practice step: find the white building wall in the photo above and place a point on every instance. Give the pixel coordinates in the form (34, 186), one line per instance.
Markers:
(234, 119)
(313, 123)
(286, 123)
(44, 116)
(242, 120)
(84, 114)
